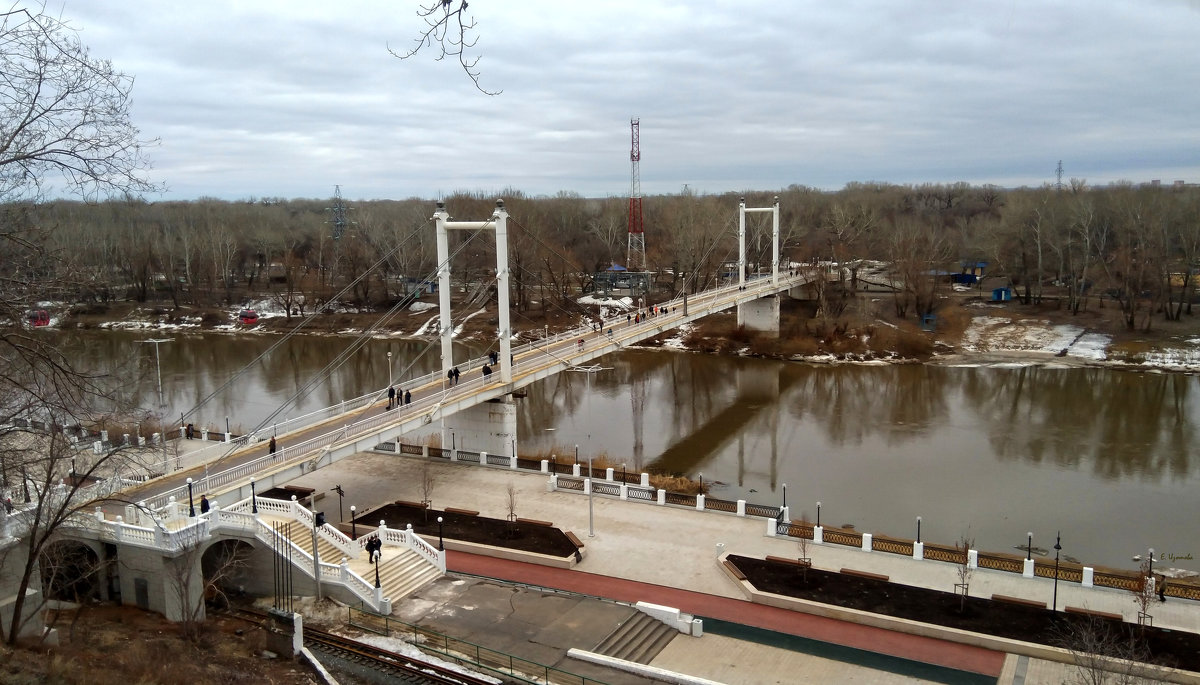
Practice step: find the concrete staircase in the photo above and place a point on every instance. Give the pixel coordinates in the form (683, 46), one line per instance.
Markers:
(403, 574)
(639, 639)
(401, 570)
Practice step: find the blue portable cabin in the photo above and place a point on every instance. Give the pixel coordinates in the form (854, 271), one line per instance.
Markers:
(1002, 294)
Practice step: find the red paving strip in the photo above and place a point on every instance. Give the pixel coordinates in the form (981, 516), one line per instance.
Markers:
(868, 638)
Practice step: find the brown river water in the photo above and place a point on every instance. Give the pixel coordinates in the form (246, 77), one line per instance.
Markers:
(985, 451)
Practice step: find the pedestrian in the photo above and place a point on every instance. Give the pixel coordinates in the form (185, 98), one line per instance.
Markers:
(271, 446)
(407, 397)
(191, 431)
(391, 397)
(456, 375)
(1162, 589)
(628, 318)
(487, 371)
(450, 377)
(8, 505)
(203, 504)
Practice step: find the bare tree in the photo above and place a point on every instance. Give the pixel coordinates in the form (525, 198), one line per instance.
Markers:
(451, 29)
(198, 574)
(1143, 592)
(963, 568)
(64, 128)
(1102, 654)
(427, 483)
(511, 493)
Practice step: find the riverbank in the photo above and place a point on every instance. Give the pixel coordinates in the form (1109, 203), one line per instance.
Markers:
(968, 332)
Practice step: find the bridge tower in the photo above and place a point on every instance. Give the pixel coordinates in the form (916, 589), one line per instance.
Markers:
(635, 254)
(762, 314)
(490, 427)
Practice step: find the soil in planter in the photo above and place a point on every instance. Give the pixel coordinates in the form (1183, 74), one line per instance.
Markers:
(1177, 649)
(526, 537)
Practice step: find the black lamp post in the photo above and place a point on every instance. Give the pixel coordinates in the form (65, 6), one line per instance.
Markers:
(191, 506)
(623, 472)
(377, 569)
(785, 495)
(253, 498)
(818, 514)
(1151, 562)
(701, 482)
(441, 547)
(353, 529)
(1057, 549)
(918, 530)
(1029, 546)
(577, 454)
(341, 493)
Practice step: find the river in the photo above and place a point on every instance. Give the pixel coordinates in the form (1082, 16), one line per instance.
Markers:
(983, 451)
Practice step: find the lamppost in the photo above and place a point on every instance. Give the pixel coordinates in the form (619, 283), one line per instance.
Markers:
(1057, 549)
(591, 512)
(253, 498)
(818, 514)
(441, 547)
(377, 555)
(785, 495)
(577, 454)
(1029, 546)
(918, 530)
(191, 506)
(1151, 562)
(390, 381)
(353, 529)
(701, 482)
(341, 493)
(623, 472)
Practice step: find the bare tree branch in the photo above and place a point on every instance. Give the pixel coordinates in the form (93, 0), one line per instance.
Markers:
(450, 29)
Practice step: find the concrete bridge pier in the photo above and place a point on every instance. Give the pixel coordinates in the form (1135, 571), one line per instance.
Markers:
(760, 315)
(489, 427)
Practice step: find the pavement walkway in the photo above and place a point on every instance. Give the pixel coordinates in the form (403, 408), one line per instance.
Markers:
(667, 555)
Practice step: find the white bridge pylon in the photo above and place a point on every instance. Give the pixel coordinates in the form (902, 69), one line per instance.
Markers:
(742, 209)
(499, 223)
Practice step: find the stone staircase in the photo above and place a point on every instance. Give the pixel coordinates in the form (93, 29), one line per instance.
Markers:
(638, 639)
(401, 570)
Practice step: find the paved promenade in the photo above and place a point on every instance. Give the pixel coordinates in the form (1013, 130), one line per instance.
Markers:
(668, 556)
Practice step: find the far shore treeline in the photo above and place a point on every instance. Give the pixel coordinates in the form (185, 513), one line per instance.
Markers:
(1138, 245)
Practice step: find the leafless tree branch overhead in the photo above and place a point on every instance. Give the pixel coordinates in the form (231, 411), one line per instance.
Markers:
(451, 30)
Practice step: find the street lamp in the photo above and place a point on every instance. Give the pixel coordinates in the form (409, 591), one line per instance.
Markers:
(441, 547)
(1057, 549)
(577, 454)
(1151, 562)
(623, 472)
(253, 498)
(353, 529)
(701, 482)
(390, 381)
(818, 514)
(377, 555)
(918, 530)
(785, 495)
(191, 506)
(591, 512)
(1029, 546)
(341, 493)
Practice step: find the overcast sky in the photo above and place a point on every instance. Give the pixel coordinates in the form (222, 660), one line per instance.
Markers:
(290, 98)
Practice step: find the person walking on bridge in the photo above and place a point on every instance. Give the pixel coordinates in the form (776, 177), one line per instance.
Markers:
(271, 446)
(391, 397)
(487, 371)
(456, 374)
(407, 397)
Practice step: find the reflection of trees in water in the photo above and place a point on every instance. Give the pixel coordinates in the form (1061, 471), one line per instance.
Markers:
(1126, 424)
(852, 403)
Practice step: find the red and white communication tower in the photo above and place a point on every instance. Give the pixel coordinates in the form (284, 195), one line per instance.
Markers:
(635, 255)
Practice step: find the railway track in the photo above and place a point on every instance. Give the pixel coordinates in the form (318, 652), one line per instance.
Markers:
(398, 668)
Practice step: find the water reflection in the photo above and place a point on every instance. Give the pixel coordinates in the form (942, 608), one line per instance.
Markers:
(1101, 454)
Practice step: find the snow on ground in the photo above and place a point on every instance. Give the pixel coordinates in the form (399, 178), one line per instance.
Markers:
(675, 342)
(997, 334)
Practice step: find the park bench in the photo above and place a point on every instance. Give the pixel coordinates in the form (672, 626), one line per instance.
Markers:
(1019, 600)
(1093, 612)
(864, 574)
(534, 522)
(574, 540)
(805, 563)
(461, 512)
(733, 569)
